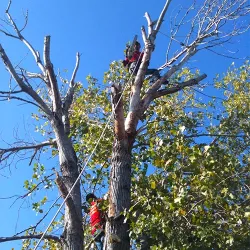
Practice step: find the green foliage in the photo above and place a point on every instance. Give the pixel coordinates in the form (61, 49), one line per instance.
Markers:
(197, 194)
(190, 172)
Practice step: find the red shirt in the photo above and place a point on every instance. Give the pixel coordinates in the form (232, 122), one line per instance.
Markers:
(135, 57)
(96, 218)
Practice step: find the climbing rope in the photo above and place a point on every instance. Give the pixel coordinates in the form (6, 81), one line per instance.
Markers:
(90, 156)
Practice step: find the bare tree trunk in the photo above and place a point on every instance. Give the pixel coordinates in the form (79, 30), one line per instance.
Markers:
(117, 231)
(73, 231)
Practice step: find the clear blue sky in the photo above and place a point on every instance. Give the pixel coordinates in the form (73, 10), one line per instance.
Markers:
(99, 30)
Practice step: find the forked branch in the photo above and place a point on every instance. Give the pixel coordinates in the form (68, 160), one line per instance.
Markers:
(7, 152)
(21, 37)
(25, 88)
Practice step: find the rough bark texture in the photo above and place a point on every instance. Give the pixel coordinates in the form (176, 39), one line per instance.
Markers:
(117, 231)
(73, 232)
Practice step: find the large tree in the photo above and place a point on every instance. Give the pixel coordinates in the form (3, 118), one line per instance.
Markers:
(208, 24)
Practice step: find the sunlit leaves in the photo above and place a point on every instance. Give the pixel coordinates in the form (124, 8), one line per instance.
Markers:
(196, 193)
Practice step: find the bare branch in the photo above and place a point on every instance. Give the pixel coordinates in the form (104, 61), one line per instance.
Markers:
(27, 89)
(70, 92)
(8, 34)
(144, 35)
(20, 37)
(216, 135)
(11, 92)
(44, 216)
(6, 152)
(163, 12)
(7, 98)
(206, 26)
(132, 117)
(35, 75)
(179, 87)
(52, 81)
(32, 236)
(150, 23)
(153, 93)
(26, 21)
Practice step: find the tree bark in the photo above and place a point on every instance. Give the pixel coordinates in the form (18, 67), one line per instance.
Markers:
(73, 231)
(117, 230)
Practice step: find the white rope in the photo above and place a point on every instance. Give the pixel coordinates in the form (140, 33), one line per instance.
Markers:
(89, 158)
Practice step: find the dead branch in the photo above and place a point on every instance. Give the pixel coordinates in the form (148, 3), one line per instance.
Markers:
(27, 89)
(206, 26)
(35, 75)
(44, 216)
(179, 87)
(72, 85)
(150, 96)
(52, 81)
(9, 97)
(132, 117)
(32, 236)
(11, 92)
(163, 12)
(7, 152)
(21, 37)
(216, 135)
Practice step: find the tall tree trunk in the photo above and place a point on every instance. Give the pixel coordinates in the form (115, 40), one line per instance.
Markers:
(117, 230)
(73, 231)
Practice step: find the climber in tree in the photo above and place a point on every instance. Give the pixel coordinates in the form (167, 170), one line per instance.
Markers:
(97, 220)
(133, 61)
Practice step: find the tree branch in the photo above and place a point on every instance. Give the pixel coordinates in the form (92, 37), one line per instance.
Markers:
(163, 12)
(180, 86)
(35, 75)
(135, 99)
(33, 236)
(150, 23)
(153, 93)
(20, 37)
(17, 98)
(216, 135)
(11, 92)
(52, 81)
(27, 89)
(14, 150)
(70, 92)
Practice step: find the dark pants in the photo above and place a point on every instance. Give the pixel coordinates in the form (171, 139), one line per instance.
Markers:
(99, 240)
(134, 67)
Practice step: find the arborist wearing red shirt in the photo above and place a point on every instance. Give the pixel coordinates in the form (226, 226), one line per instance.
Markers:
(133, 61)
(97, 220)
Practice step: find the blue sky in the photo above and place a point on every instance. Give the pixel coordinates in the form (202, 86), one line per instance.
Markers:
(98, 30)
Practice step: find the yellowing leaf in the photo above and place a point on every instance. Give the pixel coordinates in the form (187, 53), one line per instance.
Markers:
(182, 212)
(153, 185)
